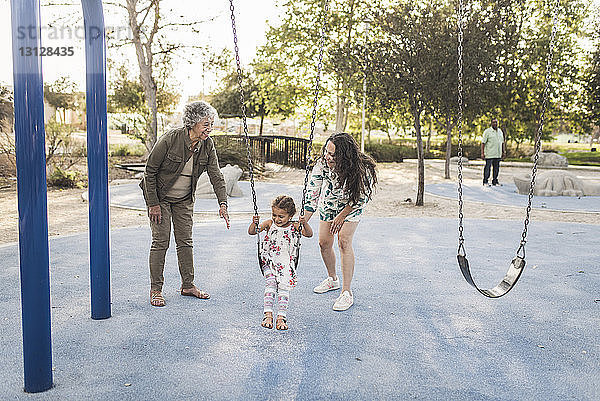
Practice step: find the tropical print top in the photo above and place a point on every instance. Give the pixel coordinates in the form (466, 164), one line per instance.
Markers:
(323, 186)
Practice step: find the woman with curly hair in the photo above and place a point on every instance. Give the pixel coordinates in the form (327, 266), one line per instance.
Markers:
(343, 179)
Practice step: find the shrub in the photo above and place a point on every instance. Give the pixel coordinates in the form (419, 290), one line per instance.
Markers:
(231, 151)
(471, 150)
(385, 152)
(127, 150)
(66, 179)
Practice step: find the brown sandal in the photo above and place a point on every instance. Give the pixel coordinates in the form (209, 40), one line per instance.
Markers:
(281, 323)
(200, 294)
(267, 321)
(156, 298)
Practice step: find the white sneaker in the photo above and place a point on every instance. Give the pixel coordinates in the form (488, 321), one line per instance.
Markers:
(344, 301)
(328, 284)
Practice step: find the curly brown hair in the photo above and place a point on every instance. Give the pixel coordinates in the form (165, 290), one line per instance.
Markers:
(286, 203)
(355, 170)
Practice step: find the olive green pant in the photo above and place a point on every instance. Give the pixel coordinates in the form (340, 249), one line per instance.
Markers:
(181, 214)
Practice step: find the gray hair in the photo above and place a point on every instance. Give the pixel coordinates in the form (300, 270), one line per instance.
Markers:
(197, 111)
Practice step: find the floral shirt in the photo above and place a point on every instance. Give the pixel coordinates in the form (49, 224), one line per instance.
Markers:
(278, 253)
(323, 186)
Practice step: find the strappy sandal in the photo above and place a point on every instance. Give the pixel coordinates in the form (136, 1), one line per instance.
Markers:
(281, 323)
(267, 322)
(156, 298)
(199, 295)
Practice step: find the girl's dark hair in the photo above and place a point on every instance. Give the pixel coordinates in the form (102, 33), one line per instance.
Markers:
(286, 203)
(355, 170)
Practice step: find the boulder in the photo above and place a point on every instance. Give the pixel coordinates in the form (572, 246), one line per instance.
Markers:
(550, 159)
(556, 183)
(231, 174)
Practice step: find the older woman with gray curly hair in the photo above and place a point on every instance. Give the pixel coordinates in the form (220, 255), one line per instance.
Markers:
(169, 184)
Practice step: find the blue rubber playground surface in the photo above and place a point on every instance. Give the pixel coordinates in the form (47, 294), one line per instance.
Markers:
(130, 196)
(416, 330)
(507, 195)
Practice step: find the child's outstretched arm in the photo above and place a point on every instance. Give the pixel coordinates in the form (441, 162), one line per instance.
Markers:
(263, 226)
(306, 228)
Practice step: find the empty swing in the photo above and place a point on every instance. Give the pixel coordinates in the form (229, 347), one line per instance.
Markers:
(518, 263)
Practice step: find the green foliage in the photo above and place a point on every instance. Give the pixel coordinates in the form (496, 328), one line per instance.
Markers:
(471, 150)
(268, 91)
(592, 88)
(62, 95)
(383, 152)
(128, 101)
(59, 141)
(7, 139)
(583, 158)
(66, 179)
(6, 109)
(126, 150)
(231, 151)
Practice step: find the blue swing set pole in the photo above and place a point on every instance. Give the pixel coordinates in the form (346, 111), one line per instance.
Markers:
(32, 199)
(97, 151)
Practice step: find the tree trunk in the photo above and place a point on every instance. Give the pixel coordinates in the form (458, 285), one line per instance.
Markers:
(448, 149)
(143, 51)
(428, 144)
(340, 113)
(416, 112)
(262, 120)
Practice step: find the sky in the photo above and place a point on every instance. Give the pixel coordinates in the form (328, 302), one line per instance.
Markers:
(251, 21)
(252, 17)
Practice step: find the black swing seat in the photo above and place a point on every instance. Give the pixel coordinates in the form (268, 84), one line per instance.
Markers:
(510, 279)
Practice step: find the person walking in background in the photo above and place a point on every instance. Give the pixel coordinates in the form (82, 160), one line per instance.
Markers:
(169, 184)
(493, 149)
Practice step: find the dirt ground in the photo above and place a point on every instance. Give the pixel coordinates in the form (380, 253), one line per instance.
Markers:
(68, 212)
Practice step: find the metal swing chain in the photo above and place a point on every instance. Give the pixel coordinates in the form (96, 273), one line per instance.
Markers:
(521, 249)
(461, 239)
(538, 137)
(312, 123)
(243, 107)
(315, 104)
(246, 136)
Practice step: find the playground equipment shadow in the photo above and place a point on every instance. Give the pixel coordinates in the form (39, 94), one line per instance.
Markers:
(416, 330)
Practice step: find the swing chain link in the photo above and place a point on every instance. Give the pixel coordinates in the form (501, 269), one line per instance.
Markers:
(308, 160)
(309, 155)
(461, 239)
(246, 136)
(243, 107)
(538, 137)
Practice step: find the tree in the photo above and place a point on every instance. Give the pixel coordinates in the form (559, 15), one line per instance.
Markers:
(6, 108)
(151, 29)
(403, 64)
(522, 66)
(480, 66)
(7, 139)
(62, 95)
(268, 91)
(128, 96)
(592, 88)
(295, 44)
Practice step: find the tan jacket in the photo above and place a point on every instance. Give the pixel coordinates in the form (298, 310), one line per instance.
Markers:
(167, 159)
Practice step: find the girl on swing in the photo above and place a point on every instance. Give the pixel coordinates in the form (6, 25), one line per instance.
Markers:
(278, 253)
(344, 179)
